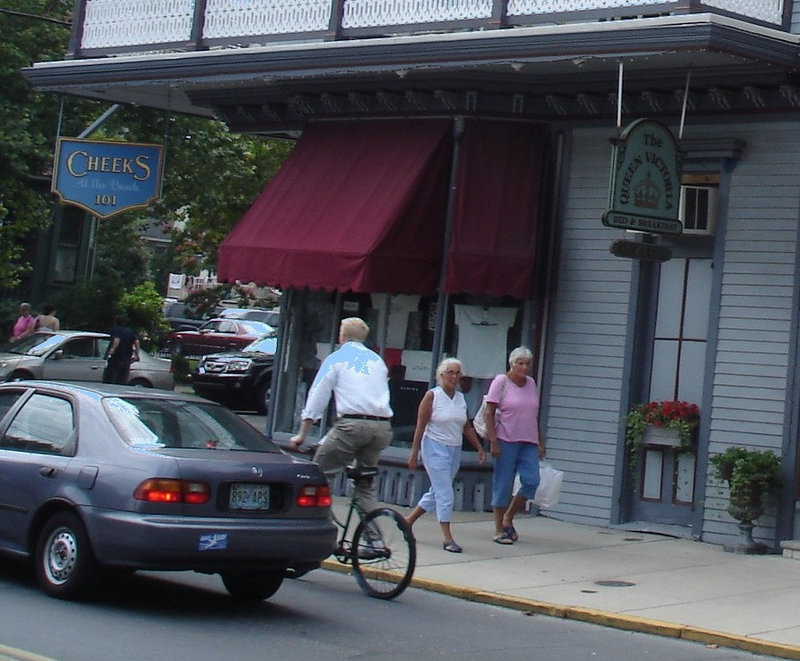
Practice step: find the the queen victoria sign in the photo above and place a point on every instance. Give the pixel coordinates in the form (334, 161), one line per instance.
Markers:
(107, 178)
(644, 193)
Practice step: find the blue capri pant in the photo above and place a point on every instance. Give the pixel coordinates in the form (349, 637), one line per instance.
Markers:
(441, 464)
(522, 458)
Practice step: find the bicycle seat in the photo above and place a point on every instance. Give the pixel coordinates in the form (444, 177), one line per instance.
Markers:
(358, 473)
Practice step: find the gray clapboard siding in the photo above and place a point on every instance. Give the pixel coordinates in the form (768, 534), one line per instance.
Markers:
(588, 326)
(755, 315)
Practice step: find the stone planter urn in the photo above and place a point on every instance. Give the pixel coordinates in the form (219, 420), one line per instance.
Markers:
(746, 505)
(752, 475)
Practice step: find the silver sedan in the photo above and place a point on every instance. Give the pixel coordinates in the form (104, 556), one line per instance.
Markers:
(70, 355)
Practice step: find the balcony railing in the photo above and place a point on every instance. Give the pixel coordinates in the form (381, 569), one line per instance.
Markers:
(107, 27)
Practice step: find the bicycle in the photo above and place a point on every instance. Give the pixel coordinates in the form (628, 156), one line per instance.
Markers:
(382, 550)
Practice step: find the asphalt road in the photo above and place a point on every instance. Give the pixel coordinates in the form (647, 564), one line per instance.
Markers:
(320, 617)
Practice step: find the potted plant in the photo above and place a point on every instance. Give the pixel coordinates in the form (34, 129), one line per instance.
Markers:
(680, 417)
(751, 475)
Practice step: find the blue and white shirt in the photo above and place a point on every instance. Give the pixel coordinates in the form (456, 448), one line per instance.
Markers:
(359, 380)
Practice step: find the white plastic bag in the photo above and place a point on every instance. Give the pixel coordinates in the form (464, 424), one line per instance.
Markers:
(549, 489)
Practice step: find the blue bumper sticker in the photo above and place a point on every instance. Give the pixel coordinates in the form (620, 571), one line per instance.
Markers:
(213, 542)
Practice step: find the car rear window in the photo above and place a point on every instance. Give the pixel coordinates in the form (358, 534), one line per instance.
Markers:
(169, 423)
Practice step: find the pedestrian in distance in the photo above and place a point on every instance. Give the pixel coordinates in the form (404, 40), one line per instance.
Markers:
(123, 350)
(48, 320)
(441, 424)
(515, 440)
(25, 323)
(358, 379)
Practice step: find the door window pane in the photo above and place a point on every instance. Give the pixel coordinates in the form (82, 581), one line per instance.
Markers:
(44, 424)
(7, 399)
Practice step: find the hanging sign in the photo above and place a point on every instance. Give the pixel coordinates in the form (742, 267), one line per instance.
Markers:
(645, 252)
(645, 183)
(107, 178)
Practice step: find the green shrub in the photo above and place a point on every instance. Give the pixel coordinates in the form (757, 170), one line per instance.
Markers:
(142, 307)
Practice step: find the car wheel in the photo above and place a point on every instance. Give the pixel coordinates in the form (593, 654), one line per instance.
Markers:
(142, 383)
(252, 586)
(262, 397)
(65, 564)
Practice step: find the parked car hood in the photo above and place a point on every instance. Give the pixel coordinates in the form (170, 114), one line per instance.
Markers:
(255, 356)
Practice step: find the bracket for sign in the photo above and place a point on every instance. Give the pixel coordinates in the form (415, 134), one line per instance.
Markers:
(646, 252)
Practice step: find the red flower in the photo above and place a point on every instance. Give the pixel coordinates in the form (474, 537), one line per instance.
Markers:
(662, 413)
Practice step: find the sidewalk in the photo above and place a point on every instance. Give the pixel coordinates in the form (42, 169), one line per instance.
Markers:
(634, 581)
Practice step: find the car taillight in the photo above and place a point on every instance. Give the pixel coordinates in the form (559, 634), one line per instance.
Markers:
(318, 495)
(160, 490)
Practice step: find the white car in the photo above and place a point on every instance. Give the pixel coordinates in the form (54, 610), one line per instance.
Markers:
(270, 317)
(70, 355)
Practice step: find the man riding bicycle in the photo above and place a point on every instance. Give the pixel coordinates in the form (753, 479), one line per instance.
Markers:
(358, 379)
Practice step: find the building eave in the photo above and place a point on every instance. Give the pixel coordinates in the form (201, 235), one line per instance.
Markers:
(561, 59)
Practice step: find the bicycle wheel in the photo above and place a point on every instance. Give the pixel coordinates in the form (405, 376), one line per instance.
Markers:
(384, 554)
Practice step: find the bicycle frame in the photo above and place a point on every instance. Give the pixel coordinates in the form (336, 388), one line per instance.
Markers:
(344, 545)
(378, 544)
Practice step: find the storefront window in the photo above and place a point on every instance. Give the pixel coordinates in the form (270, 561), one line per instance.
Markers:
(480, 332)
(66, 258)
(307, 338)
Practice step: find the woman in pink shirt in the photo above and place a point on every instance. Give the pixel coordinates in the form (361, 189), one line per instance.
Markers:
(25, 322)
(516, 443)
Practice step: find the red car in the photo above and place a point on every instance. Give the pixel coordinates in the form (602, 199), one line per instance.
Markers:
(216, 335)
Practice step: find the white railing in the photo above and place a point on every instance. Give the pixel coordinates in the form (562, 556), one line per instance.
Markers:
(234, 18)
(122, 25)
(769, 11)
(369, 13)
(113, 23)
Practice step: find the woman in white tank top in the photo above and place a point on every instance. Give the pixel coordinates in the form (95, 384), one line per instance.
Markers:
(441, 423)
(48, 320)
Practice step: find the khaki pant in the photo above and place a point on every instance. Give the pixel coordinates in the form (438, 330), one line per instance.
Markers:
(359, 440)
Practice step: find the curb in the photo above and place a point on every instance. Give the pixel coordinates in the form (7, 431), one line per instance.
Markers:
(596, 616)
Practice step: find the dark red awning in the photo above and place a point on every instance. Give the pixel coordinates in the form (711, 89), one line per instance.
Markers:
(492, 247)
(356, 206)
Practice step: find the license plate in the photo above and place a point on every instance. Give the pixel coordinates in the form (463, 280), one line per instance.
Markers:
(249, 497)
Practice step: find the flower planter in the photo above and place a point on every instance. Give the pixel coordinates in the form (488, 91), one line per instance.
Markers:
(746, 505)
(752, 475)
(655, 435)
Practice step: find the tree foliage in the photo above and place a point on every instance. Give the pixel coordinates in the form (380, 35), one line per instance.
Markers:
(211, 175)
(141, 306)
(28, 126)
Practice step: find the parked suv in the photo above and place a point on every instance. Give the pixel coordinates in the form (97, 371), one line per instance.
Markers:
(181, 316)
(239, 379)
